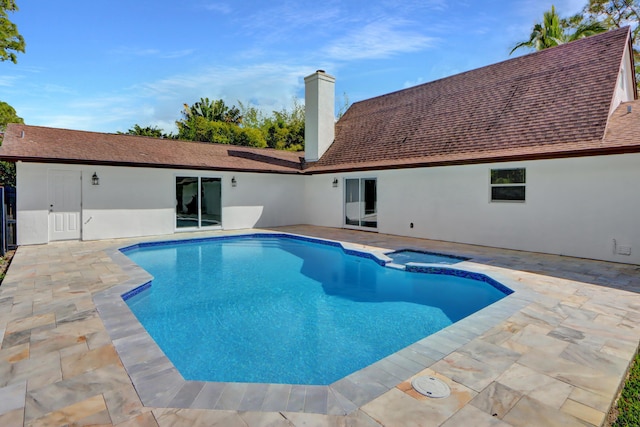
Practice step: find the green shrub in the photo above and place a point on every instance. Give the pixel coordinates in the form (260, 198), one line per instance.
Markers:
(629, 402)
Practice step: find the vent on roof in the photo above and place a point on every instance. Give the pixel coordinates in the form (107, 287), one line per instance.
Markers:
(629, 108)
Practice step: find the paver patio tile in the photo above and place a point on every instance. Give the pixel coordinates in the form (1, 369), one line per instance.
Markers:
(297, 419)
(89, 411)
(527, 381)
(146, 419)
(123, 404)
(490, 354)
(15, 354)
(534, 337)
(261, 419)
(12, 418)
(63, 336)
(27, 323)
(81, 347)
(584, 412)
(12, 397)
(572, 373)
(467, 371)
(79, 363)
(530, 412)
(64, 393)
(595, 359)
(496, 400)
(197, 418)
(553, 313)
(276, 397)
(398, 408)
(38, 370)
(593, 400)
(187, 394)
(502, 332)
(18, 338)
(472, 416)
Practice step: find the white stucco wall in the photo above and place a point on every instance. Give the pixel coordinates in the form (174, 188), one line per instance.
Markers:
(585, 207)
(573, 206)
(262, 200)
(133, 202)
(322, 201)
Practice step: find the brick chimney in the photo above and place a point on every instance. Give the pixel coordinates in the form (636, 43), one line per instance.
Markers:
(319, 123)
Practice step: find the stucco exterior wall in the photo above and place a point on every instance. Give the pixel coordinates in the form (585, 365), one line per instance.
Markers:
(584, 207)
(133, 202)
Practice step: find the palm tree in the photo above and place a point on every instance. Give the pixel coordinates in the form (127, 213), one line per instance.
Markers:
(553, 32)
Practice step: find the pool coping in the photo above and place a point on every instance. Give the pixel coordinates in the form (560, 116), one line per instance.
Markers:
(159, 383)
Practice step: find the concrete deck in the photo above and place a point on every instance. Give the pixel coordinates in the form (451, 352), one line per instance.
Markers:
(553, 353)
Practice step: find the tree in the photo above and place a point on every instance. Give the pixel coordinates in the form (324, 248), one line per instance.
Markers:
(152, 131)
(285, 128)
(215, 111)
(11, 42)
(8, 115)
(8, 169)
(214, 121)
(617, 14)
(345, 105)
(554, 31)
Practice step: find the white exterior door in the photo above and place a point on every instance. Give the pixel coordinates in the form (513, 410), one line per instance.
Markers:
(64, 205)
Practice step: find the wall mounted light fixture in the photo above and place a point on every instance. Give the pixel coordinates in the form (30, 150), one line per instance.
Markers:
(335, 182)
(234, 182)
(95, 180)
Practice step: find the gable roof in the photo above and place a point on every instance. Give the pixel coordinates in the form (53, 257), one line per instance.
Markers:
(50, 145)
(548, 104)
(543, 104)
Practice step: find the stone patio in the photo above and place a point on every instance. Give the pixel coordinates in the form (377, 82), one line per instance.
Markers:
(553, 353)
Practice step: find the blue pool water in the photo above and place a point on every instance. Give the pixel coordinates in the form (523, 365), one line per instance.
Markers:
(285, 310)
(407, 255)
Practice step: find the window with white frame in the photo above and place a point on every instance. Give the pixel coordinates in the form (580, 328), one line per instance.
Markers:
(508, 185)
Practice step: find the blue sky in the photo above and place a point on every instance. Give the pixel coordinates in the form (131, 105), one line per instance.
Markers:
(104, 66)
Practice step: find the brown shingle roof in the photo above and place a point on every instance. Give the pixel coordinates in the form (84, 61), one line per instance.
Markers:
(72, 146)
(545, 103)
(553, 103)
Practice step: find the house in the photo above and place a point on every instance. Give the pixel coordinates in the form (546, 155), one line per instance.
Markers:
(537, 153)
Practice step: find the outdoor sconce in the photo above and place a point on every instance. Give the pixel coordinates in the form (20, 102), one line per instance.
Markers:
(95, 180)
(234, 182)
(335, 182)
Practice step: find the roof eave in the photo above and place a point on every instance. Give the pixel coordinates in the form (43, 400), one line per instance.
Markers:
(144, 165)
(600, 151)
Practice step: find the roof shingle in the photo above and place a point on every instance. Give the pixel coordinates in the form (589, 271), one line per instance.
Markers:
(35, 143)
(549, 101)
(552, 103)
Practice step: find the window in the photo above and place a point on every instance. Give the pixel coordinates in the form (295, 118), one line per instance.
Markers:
(508, 185)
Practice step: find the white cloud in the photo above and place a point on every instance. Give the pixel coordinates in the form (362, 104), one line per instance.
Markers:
(268, 86)
(380, 39)
(219, 7)
(151, 52)
(8, 81)
(410, 83)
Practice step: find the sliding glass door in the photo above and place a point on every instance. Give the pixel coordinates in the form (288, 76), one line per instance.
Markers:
(360, 203)
(198, 202)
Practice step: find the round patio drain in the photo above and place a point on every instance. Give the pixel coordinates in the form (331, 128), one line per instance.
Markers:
(431, 387)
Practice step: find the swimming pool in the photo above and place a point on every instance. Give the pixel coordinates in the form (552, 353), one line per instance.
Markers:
(285, 309)
(405, 256)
